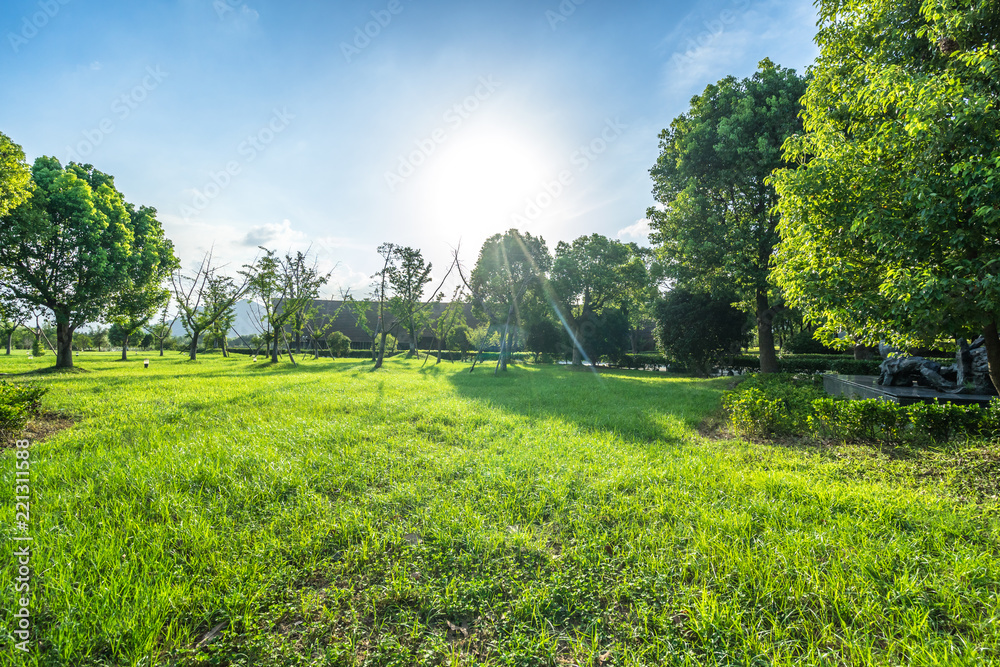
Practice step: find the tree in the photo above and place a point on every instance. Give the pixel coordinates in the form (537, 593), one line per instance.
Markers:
(891, 218)
(82, 341)
(695, 329)
(507, 267)
(206, 296)
(715, 226)
(15, 176)
(543, 337)
(162, 329)
(100, 338)
(587, 276)
(459, 340)
(380, 290)
(144, 291)
(68, 247)
(284, 286)
(408, 276)
(13, 314)
(451, 318)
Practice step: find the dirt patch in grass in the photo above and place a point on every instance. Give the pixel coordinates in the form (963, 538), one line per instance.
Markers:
(42, 427)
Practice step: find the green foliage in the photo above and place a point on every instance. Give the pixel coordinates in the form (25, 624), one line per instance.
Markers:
(339, 344)
(795, 405)
(697, 329)
(18, 403)
(543, 337)
(820, 363)
(69, 247)
(15, 176)
(408, 276)
(804, 342)
(37, 348)
(890, 218)
(774, 404)
(715, 226)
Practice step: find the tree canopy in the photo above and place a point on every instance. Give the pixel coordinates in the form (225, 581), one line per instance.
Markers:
(891, 218)
(715, 225)
(68, 247)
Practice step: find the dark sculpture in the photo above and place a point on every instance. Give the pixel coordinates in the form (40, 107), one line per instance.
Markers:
(968, 375)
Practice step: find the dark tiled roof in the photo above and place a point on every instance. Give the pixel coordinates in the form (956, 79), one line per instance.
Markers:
(346, 321)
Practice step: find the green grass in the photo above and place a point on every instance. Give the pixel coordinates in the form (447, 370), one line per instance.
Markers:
(332, 516)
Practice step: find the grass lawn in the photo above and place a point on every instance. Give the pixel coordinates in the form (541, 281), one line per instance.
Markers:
(326, 515)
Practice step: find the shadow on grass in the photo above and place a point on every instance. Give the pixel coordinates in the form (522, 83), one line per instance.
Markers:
(629, 404)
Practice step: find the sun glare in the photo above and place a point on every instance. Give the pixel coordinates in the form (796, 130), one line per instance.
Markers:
(479, 181)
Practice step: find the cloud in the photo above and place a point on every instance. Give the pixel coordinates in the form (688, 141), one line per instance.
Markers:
(640, 231)
(96, 65)
(282, 234)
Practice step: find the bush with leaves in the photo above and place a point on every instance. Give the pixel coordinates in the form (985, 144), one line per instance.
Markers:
(339, 344)
(698, 329)
(18, 403)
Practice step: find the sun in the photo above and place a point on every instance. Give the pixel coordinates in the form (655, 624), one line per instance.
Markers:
(478, 180)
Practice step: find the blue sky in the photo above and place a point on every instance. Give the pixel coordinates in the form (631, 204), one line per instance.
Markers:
(339, 126)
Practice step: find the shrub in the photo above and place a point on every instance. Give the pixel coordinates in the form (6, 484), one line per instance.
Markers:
(697, 329)
(778, 404)
(339, 344)
(784, 404)
(804, 343)
(18, 403)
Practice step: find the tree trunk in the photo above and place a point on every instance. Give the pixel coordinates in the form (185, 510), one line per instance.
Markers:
(502, 361)
(765, 335)
(381, 350)
(64, 340)
(194, 345)
(161, 346)
(10, 342)
(125, 348)
(274, 350)
(991, 341)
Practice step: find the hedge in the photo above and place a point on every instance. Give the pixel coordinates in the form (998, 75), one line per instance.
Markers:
(788, 405)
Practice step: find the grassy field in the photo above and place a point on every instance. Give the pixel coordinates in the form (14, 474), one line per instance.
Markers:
(326, 515)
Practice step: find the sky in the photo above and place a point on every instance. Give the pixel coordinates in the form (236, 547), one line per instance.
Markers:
(334, 127)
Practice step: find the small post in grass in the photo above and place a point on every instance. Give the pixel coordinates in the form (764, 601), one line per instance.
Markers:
(145, 363)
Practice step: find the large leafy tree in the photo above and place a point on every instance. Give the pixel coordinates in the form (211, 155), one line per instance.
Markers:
(716, 225)
(891, 220)
(68, 247)
(144, 290)
(508, 266)
(588, 275)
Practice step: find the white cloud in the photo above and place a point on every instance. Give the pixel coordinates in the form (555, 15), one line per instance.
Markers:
(270, 233)
(639, 231)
